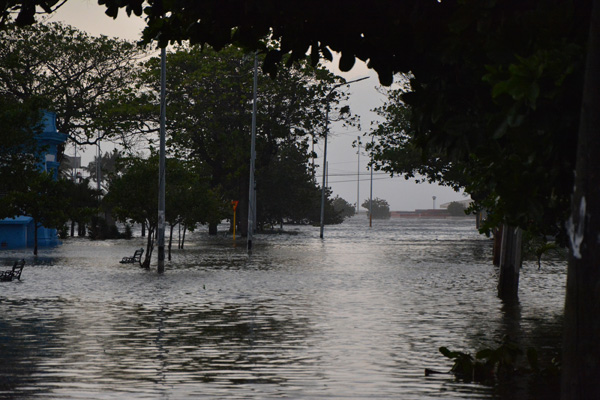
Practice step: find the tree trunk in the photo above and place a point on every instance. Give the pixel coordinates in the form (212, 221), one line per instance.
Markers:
(242, 216)
(72, 228)
(170, 241)
(81, 229)
(581, 345)
(179, 236)
(497, 245)
(510, 263)
(35, 237)
(212, 228)
(183, 238)
(149, 248)
(143, 229)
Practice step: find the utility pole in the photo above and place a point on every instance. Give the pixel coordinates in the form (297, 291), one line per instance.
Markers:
(98, 167)
(371, 194)
(251, 189)
(358, 177)
(161, 164)
(325, 150)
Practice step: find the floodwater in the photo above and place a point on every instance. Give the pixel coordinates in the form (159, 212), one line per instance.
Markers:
(358, 315)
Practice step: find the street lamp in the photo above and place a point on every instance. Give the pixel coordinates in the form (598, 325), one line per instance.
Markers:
(162, 163)
(325, 148)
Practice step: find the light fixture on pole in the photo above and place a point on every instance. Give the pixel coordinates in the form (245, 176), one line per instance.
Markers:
(325, 148)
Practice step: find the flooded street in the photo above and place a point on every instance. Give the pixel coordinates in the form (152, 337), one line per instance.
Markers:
(358, 315)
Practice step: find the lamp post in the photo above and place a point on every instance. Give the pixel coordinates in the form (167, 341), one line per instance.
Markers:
(161, 163)
(325, 148)
(358, 176)
(371, 195)
(251, 190)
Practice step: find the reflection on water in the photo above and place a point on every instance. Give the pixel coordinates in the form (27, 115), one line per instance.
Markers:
(357, 315)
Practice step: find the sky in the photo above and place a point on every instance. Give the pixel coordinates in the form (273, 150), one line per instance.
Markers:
(343, 160)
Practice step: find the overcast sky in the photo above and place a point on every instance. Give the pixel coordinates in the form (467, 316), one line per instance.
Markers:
(344, 162)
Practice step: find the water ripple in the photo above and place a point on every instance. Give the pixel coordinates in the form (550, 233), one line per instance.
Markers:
(357, 315)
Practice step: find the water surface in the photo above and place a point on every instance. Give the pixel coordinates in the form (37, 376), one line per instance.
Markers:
(358, 315)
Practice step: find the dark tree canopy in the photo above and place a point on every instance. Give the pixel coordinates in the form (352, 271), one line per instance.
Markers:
(86, 80)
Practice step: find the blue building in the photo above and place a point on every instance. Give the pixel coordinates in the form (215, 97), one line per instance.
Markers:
(19, 232)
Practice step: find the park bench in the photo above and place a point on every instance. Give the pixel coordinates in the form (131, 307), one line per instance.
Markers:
(136, 258)
(15, 272)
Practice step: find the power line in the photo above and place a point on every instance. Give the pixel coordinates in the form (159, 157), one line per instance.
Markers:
(355, 174)
(366, 179)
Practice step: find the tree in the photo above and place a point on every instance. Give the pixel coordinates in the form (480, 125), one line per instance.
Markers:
(133, 196)
(210, 98)
(287, 191)
(45, 200)
(25, 12)
(83, 203)
(397, 152)
(86, 80)
(18, 148)
(343, 208)
(522, 38)
(189, 199)
(582, 328)
(380, 208)
(456, 209)
(108, 167)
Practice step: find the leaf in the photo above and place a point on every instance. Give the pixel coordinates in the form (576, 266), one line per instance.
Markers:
(347, 61)
(326, 53)
(447, 353)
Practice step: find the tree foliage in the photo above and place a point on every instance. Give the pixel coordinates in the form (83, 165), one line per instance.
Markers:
(343, 208)
(456, 209)
(209, 115)
(133, 196)
(86, 80)
(42, 198)
(380, 208)
(20, 122)
(493, 112)
(496, 83)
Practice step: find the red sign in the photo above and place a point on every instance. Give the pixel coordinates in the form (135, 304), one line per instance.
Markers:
(234, 203)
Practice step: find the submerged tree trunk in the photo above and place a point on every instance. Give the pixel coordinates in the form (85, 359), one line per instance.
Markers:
(35, 237)
(581, 345)
(497, 245)
(81, 229)
(149, 248)
(242, 216)
(510, 263)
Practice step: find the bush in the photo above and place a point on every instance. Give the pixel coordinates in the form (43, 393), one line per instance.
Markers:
(456, 209)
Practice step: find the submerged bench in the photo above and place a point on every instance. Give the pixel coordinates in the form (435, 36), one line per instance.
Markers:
(136, 258)
(15, 272)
